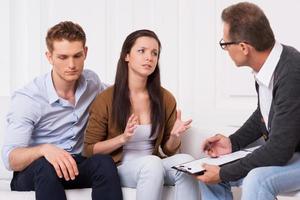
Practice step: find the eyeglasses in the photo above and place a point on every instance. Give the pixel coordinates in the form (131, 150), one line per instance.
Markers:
(224, 44)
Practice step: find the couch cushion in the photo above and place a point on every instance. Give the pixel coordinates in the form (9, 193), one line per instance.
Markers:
(77, 194)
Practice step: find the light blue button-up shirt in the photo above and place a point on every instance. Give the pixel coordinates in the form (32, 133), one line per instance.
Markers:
(38, 115)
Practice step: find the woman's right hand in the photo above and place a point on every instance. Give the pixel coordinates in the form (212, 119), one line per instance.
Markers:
(130, 127)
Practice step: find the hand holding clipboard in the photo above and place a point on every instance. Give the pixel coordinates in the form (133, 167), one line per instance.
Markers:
(218, 148)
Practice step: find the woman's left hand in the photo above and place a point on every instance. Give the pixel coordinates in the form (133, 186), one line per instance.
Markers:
(180, 126)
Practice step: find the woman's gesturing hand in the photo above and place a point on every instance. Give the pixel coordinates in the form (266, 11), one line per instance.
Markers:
(180, 126)
(130, 127)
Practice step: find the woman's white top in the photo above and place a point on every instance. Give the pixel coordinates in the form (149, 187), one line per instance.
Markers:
(140, 144)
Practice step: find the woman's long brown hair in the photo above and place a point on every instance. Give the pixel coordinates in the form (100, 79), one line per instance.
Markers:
(121, 106)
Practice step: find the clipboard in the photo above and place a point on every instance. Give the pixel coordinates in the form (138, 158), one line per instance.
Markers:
(195, 167)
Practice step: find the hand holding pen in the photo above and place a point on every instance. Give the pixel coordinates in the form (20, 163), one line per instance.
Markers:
(217, 145)
(214, 146)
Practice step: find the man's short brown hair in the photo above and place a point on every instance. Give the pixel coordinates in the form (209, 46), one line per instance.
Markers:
(66, 30)
(248, 23)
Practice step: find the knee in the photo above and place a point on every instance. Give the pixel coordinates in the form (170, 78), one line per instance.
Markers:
(255, 177)
(178, 159)
(259, 181)
(43, 170)
(152, 165)
(42, 166)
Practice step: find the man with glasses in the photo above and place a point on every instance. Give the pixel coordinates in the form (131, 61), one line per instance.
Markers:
(274, 167)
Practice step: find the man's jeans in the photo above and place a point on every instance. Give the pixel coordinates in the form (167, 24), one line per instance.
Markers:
(98, 172)
(262, 183)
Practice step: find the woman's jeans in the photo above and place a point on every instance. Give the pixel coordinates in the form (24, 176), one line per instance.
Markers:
(148, 174)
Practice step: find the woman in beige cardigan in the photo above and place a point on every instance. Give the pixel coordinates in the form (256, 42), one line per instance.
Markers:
(134, 118)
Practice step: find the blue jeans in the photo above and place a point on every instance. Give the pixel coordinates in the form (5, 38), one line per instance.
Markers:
(148, 174)
(98, 172)
(262, 183)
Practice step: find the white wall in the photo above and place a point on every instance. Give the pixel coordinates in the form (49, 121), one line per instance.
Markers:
(205, 82)
(5, 50)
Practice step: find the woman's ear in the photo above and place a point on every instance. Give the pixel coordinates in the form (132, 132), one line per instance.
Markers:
(127, 58)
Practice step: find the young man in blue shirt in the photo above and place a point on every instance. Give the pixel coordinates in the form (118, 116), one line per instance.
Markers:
(46, 122)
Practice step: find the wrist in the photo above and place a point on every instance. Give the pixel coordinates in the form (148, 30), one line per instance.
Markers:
(174, 138)
(42, 149)
(122, 139)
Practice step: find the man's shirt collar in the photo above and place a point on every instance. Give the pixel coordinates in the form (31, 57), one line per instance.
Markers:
(265, 74)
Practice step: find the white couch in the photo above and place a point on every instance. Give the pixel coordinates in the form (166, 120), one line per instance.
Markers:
(191, 144)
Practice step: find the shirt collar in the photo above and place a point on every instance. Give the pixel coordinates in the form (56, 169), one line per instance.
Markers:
(52, 95)
(265, 74)
(81, 87)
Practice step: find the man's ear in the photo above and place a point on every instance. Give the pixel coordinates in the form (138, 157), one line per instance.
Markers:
(85, 52)
(49, 57)
(245, 48)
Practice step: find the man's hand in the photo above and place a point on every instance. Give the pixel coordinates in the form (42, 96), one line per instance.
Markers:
(180, 126)
(211, 175)
(217, 145)
(130, 127)
(62, 161)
